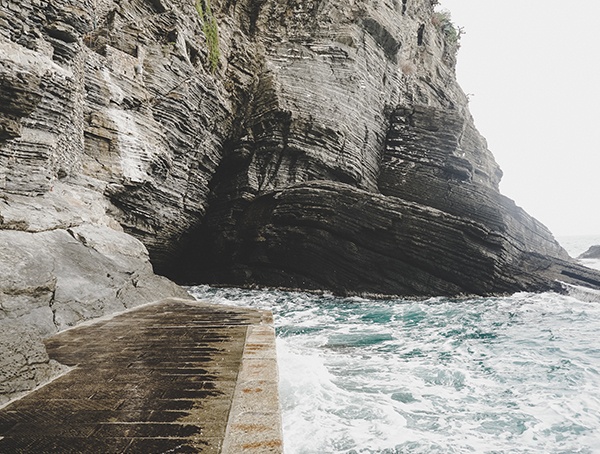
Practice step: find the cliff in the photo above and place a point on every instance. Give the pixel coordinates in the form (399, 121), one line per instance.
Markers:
(310, 144)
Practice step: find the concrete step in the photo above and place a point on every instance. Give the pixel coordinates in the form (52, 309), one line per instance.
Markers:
(173, 376)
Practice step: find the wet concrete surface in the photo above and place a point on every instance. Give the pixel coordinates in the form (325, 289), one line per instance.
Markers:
(157, 379)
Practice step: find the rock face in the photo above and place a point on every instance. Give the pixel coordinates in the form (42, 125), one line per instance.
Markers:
(61, 263)
(592, 253)
(115, 120)
(356, 166)
(330, 147)
(24, 363)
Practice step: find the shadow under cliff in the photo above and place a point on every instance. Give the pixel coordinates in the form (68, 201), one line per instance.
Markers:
(436, 225)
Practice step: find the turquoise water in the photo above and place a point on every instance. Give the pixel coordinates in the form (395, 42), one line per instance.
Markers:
(517, 374)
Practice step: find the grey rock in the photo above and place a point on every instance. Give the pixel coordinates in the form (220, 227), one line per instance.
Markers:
(117, 111)
(592, 253)
(24, 363)
(362, 242)
(55, 279)
(331, 147)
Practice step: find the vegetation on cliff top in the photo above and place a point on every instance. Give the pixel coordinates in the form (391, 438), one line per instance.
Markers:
(443, 21)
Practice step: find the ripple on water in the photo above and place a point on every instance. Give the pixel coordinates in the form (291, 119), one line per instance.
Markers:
(518, 374)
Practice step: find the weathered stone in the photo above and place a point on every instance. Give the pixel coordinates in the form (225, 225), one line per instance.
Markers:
(365, 242)
(363, 95)
(24, 363)
(592, 253)
(63, 260)
(159, 378)
(55, 279)
(254, 419)
(329, 147)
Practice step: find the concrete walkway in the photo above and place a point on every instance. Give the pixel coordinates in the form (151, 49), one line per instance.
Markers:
(176, 376)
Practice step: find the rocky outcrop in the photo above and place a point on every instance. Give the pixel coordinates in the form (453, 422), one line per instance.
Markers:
(24, 363)
(62, 261)
(364, 242)
(118, 103)
(592, 253)
(316, 145)
(355, 121)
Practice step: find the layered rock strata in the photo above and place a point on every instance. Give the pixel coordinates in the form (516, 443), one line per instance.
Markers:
(330, 147)
(355, 122)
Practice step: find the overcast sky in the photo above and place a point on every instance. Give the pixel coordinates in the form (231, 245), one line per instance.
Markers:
(532, 69)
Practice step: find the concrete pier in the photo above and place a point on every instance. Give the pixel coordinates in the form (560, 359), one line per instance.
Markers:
(176, 376)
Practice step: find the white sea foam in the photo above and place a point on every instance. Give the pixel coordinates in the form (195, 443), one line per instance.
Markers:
(519, 374)
(590, 263)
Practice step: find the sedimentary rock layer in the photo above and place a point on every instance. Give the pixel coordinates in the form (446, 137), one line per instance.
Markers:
(361, 242)
(314, 144)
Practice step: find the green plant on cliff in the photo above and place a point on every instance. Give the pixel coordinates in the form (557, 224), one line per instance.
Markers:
(211, 32)
(443, 21)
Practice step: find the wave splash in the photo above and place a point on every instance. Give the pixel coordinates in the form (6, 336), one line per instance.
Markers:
(518, 374)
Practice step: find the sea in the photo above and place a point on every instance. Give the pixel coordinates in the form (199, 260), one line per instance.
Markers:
(513, 374)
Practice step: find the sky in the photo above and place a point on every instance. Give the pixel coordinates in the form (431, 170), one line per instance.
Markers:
(531, 69)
